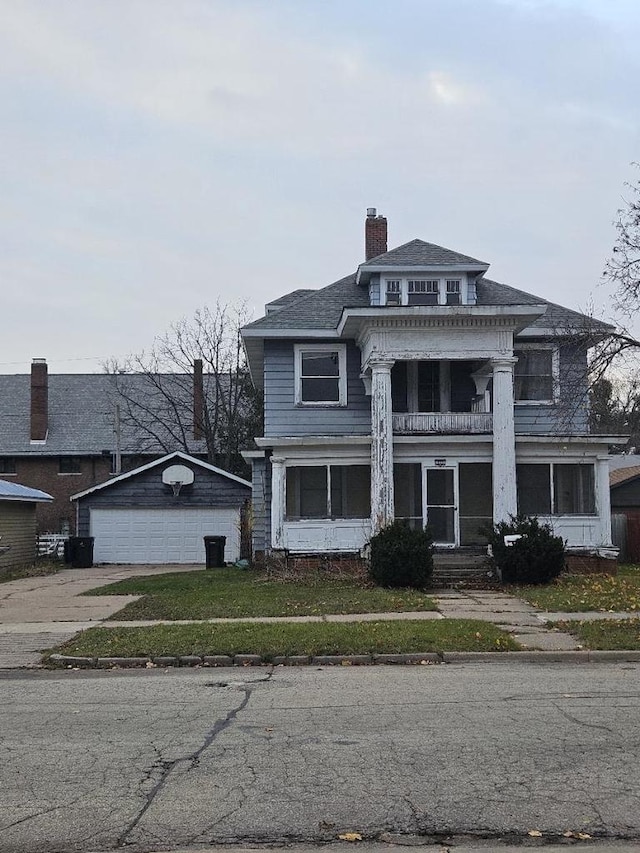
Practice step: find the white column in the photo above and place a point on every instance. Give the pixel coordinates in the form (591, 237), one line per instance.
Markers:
(505, 501)
(381, 445)
(278, 473)
(603, 500)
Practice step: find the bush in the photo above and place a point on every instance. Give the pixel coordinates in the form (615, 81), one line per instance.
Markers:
(401, 557)
(537, 558)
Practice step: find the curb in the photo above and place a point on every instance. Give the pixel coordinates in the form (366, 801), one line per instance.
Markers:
(584, 656)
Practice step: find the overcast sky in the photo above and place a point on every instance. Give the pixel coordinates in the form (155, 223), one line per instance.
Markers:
(158, 155)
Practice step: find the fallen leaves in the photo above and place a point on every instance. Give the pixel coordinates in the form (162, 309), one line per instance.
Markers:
(350, 836)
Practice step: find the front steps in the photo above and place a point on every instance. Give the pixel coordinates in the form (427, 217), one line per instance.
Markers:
(468, 565)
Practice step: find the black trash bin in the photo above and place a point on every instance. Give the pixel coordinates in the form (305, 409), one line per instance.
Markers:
(68, 551)
(214, 550)
(81, 551)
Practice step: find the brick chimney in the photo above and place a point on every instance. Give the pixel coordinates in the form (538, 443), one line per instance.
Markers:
(375, 234)
(39, 399)
(198, 400)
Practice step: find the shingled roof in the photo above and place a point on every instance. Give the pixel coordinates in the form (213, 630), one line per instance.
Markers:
(418, 253)
(81, 415)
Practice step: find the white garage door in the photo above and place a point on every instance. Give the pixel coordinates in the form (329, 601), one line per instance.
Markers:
(162, 535)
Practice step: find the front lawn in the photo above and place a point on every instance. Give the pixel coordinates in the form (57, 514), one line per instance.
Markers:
(238, 592)
(580, 593)
(269, 640)
(606, 633)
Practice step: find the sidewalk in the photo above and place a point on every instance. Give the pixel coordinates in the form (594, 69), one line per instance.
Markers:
(38, 613)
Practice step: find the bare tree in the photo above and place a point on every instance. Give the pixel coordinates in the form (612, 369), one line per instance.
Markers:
(192, 391)
(623, 268)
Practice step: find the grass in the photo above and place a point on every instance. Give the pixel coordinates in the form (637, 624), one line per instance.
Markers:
(269, 640)
(238, 592)
(606, 633)
(32, 570)
(580, 593)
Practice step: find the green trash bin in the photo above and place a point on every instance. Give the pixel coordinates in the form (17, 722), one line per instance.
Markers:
(214, 551)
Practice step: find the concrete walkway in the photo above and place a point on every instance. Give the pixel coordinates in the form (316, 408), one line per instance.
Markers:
(38, 613)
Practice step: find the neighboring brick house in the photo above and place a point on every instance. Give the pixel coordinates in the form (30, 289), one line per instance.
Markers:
(416, 388)
(60, 433)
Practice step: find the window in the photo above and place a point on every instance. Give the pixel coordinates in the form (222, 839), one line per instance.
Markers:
(534, 375)
(394, 293)
(321, 375)
(556, 489)
(69, 465)
(422, 292)
(573, 490)
(407, 489)
(453, 291)
(328, 491)
(534, 489)
(7, 465)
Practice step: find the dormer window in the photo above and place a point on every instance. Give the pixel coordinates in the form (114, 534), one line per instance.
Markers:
(424, 291)
(453, 291)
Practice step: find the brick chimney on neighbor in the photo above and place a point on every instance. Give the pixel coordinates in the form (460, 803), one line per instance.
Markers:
(198, 400)
(375, 234)
(39, 399)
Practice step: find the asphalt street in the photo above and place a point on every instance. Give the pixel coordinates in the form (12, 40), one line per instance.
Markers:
(170, 759)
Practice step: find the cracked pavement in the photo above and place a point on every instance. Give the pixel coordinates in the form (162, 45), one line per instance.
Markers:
(154, 759)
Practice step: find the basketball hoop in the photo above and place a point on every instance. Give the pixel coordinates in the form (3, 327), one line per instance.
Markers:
(177, 476)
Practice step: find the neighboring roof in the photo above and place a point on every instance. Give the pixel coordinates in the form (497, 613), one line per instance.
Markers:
(16, 492)
(163, 461)
(623, 475)
(418, 253)
(623, 460)
(81, 414)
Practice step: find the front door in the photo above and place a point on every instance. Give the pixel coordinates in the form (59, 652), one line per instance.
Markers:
(441, 505)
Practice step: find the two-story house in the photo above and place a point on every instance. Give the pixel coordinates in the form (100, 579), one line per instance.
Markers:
(416, 388)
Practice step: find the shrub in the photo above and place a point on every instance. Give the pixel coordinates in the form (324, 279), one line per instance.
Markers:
(401, 557)
(537, 558)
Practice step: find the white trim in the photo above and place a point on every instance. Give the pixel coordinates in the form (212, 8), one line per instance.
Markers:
(288, 333)
(341, 349)
(178, 454)
(438, 278)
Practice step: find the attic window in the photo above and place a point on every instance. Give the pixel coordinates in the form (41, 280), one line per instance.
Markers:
(394, 292)
(422, 292)
(453, 291)
(320, 375)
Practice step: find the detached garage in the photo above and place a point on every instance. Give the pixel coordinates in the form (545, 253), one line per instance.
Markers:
(161, 512)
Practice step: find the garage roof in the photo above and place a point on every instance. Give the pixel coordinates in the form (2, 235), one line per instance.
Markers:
(178, 455)
(16, 492)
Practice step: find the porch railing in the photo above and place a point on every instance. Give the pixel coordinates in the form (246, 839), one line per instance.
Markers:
(449, 423)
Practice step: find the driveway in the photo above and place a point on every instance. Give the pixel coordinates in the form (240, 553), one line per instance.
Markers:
(37, 613)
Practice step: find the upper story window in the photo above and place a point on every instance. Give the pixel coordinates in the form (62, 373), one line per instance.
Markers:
(535, 375)
(69, 465)
(423, 291)
(320, 375)
(7, 465)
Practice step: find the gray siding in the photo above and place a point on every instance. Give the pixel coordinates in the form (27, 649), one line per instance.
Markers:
(17, 529)
(146, 490)
(571, 414)
(283, 417)
(626, 495)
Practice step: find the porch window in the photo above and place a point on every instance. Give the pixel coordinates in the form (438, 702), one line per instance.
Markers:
(475, 501)
(534, 489)
(321, 375)
(534, 375)
(573, 490)
(556, 489)
(328, 491)
(407, 487)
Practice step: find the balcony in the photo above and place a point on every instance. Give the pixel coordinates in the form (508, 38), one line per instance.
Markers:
(443, 423)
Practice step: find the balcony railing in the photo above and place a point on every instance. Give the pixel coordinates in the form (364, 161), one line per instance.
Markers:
(448, 423)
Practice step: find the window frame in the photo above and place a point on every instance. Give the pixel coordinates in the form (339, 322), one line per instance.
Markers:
(442, 279)
(8, 462)
(555, 373)
(69, 458)
(341, 350)
(330, 515)
(553, 500)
